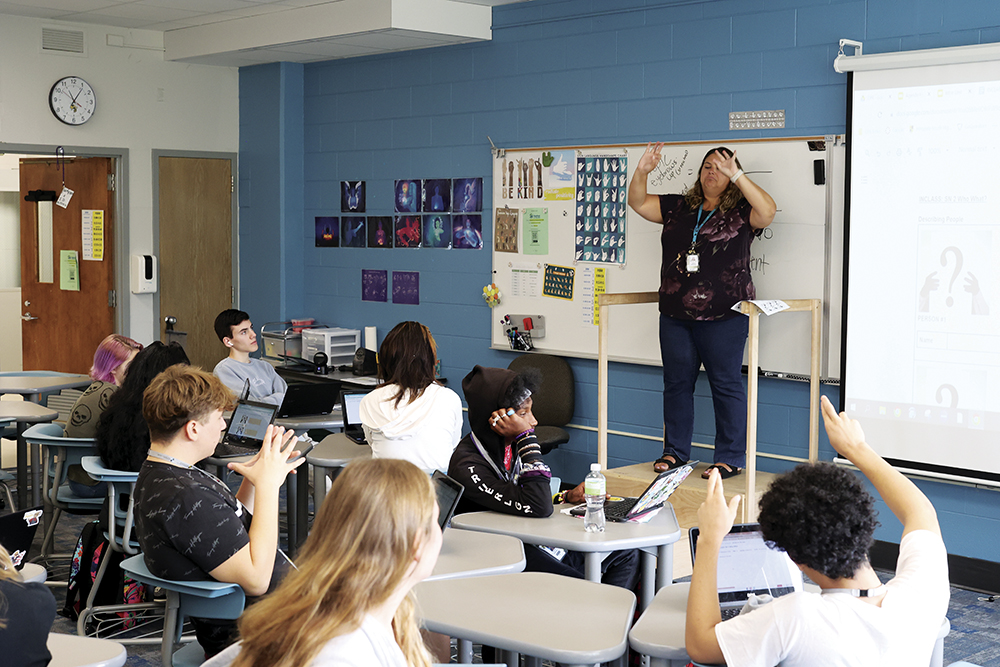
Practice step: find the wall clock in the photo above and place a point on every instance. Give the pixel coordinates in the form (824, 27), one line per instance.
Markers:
(72, 100)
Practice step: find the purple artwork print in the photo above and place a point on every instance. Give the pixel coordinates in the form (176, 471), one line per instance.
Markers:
(374, 285)
(406, 287)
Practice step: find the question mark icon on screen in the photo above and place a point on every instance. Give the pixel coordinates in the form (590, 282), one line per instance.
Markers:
(954, 274)
(951, 391)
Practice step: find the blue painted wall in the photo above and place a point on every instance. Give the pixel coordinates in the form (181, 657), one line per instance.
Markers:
(559, 72)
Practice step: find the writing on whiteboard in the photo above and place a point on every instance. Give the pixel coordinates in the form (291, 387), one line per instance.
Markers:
(668, 170)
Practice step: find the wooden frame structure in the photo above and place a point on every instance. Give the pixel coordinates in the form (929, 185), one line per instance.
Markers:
(813, 306)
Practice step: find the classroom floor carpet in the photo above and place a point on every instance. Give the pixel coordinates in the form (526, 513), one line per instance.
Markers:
(974, 637)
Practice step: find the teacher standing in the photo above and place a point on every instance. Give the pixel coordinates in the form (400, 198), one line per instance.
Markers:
(705, 270)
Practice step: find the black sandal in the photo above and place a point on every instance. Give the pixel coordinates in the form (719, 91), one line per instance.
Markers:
(724, 472)
(671, 465)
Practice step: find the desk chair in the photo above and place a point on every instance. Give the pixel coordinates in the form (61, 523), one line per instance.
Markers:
(555, 401)
(203, 599)
(142, 624)
(58, 453)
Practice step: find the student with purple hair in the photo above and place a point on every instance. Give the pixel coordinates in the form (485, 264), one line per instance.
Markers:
(111, 361)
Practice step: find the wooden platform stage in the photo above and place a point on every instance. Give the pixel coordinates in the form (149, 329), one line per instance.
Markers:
(632, 480)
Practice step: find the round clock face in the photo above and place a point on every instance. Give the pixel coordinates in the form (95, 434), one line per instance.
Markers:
(72, 100)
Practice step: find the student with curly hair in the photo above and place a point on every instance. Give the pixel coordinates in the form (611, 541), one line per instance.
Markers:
(122, 435)
(501, 467)
(824, 519)
(349, 601)
(411, 416)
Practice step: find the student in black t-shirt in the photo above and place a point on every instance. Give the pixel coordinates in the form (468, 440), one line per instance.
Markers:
(189, 524)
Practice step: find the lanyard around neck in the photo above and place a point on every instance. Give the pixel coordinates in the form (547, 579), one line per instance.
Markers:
(701, 223)
(170, 459)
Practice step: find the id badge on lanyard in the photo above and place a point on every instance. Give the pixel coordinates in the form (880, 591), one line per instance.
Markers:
(692, 262)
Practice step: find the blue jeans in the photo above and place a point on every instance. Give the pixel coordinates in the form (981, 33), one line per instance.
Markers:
(718, 344)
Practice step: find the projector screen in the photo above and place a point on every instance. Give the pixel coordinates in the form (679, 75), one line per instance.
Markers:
(921, 350)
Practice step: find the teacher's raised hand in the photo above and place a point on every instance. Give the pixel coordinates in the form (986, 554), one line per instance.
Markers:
(643, 203)
(726, 164)
(650, 158)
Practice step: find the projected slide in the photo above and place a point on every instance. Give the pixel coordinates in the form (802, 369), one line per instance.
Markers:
(923, 308)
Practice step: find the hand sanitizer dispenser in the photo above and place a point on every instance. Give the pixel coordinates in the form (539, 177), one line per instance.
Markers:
(143, 274)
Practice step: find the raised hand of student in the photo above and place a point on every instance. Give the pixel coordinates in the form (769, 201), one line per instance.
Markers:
(845, 433)
(715, 515)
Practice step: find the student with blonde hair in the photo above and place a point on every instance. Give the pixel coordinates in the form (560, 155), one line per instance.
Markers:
(350, 602)
(26, 615)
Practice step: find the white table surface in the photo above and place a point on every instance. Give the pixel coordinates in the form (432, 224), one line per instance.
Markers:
(334, 451)
(465, 553)
(566, 532)
(76, 651)
(535, 613)
(25, 413)
(30, 386)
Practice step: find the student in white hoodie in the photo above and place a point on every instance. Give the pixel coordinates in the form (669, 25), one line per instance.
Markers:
(411, 416)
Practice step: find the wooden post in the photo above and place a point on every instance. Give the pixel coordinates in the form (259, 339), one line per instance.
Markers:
(753, 340)
(813, 306)
(603, 301)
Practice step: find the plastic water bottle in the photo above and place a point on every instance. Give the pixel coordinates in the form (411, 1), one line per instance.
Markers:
(594, 486)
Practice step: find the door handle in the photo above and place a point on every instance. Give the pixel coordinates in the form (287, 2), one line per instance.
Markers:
(28, 316)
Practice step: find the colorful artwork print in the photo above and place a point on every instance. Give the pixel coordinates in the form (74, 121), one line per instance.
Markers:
(437, 231)
(406, 287)
(407, 231)
(558, 281)
(379, 231)
(437, 195)
(468, 231)
(561, 172)
(601, 193)
(505, 230)
(352, 232)
(467, 195)
(374, 285)
(352, 196)
(327, 232)
(407, 199)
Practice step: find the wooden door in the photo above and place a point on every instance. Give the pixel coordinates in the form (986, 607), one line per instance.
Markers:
(196, 241)
(66, 326)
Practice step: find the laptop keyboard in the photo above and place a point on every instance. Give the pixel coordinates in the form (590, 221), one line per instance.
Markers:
(226, 449)
(619, 509)
(731, 612)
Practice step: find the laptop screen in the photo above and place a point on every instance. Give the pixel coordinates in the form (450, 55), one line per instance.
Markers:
(249, 422)
(747, 565)
(661, 488)
(449, 491)
(351, 402)
(17, 531)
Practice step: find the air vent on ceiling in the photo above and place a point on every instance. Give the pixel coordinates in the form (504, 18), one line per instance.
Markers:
(63, 41)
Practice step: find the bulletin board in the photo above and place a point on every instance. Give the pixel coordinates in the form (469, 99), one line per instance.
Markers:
(560, 215)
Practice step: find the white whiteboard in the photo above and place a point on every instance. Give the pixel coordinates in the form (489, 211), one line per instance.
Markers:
(798, 257)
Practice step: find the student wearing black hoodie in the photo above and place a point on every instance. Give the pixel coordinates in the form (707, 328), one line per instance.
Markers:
(501, 467)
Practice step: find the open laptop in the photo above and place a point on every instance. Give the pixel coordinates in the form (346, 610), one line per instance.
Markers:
(308, 398)
(449, 492)
(747, 565)
(17, 531)
(245, 433)
(654, 497)
(350, 402)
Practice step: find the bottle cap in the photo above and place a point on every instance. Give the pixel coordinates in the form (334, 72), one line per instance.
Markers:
(595, 467)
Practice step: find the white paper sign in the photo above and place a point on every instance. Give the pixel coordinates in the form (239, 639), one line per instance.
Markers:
(64, 197)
